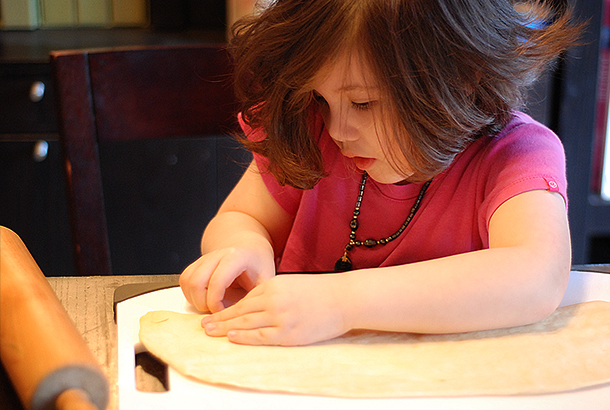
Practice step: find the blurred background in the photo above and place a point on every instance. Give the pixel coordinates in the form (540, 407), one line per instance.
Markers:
(159, 208)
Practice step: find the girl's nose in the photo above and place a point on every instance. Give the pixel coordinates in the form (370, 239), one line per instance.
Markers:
(340, 128)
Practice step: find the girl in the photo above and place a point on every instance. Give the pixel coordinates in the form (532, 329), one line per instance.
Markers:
(387, 147)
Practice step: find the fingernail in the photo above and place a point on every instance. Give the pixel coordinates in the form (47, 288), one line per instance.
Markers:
(206, 320)
(210, 327)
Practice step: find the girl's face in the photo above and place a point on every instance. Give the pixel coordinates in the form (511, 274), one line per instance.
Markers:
(351, 105)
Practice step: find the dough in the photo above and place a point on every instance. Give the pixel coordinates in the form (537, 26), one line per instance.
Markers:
(568, 350)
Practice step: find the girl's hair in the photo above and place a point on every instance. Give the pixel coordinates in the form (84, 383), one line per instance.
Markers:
(450, 71)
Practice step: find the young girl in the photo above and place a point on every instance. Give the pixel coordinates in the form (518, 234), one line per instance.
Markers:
(387, 147)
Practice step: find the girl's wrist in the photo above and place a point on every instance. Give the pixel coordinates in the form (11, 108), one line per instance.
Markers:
(346, 299)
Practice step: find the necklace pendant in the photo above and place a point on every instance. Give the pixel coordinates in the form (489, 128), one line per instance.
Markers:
(344, 264)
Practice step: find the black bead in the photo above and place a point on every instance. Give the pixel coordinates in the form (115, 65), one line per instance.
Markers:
(353, 224)
(369, 243)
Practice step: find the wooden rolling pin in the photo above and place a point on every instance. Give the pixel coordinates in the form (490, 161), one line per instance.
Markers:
(43, 353)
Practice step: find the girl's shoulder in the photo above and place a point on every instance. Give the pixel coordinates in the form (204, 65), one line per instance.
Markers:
(522, 149)
(522, 136)
(518, 121)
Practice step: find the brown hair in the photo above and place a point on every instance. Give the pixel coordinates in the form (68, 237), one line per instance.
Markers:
(452, 71)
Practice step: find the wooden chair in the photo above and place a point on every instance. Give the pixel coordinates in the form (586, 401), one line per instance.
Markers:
(125, 94)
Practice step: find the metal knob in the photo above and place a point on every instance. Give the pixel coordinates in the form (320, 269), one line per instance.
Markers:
(37, 91)
(41, 150)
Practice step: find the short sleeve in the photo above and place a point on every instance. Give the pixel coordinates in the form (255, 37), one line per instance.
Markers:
(527, 157)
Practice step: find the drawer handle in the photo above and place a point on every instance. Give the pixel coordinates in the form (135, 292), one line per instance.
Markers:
(41, 150)
(37, 91)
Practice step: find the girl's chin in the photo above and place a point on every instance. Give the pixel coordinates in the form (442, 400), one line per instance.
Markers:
(363, 164)
(378, 172)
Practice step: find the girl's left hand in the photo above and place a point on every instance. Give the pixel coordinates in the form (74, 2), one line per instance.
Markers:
(286, 310)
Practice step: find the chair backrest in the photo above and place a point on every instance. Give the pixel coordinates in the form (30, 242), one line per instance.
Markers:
(130, 94)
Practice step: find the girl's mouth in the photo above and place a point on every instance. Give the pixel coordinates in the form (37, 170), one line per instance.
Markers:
(363, 163)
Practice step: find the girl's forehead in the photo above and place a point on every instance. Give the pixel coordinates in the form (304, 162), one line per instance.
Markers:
(346, 72)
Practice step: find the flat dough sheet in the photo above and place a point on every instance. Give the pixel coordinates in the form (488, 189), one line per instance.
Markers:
(567, 351)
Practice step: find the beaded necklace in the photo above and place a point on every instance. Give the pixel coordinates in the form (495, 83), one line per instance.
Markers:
(344, 263)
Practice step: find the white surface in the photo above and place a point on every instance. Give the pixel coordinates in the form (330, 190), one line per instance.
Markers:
(188, 394)
(605, 188)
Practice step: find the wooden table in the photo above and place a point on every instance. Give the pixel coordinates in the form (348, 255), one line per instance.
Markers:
(89, 302)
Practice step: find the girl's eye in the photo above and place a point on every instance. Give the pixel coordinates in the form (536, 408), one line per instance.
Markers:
(362, 105)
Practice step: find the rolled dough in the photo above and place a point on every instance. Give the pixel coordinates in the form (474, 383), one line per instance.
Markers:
(568, 350)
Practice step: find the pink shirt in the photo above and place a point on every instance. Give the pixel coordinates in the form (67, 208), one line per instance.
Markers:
(454, 214)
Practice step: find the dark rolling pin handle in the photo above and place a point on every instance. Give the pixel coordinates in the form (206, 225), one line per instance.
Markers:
(63, 388)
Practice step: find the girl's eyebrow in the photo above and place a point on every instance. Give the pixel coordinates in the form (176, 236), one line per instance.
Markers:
(357, 87)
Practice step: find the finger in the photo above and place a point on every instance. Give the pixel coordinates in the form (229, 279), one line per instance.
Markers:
(256, 337)
(246, 306)
(249, 321)
(184, 280)
(226, 272)
(189, 285)
(194, 282)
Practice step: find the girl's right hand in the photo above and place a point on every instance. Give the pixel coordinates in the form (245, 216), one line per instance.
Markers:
(238, 245)
(212, 280)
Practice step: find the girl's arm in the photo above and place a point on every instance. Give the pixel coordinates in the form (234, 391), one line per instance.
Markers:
(239, 243)
(519, 280)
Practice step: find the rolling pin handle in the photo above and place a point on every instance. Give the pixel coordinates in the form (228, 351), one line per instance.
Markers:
(74, 399)
(62, 385)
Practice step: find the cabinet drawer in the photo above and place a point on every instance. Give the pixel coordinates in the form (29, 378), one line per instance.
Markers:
(27, 103)
(33, 204)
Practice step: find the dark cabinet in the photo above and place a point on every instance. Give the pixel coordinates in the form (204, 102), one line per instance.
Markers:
(32, 189)
(33, 204)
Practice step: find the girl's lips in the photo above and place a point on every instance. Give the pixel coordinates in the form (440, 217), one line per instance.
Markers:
(363, 163)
